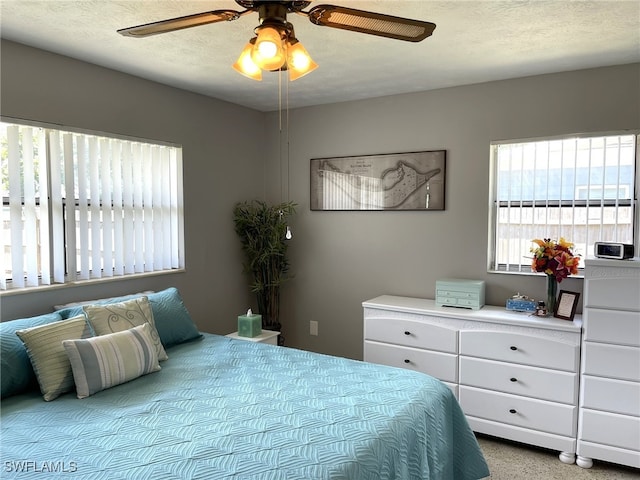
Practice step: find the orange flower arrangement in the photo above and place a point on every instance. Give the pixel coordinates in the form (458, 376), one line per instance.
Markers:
(554, 258)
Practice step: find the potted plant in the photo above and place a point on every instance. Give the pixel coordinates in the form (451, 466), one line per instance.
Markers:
(263, 232)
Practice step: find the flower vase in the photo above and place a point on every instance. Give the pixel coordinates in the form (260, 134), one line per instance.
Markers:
(552, 295)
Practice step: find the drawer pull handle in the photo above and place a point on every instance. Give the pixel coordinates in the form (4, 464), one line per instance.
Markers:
(513, 410)
(407, 332)
(513, 347)
(406, 360)
(513, 379)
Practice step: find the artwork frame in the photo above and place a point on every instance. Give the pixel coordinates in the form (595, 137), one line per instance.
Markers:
(566, 305)
(393, 181)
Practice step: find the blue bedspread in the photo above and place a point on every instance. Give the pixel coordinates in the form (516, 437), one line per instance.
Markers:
(223, 408)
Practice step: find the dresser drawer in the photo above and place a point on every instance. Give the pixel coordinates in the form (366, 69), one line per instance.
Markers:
(616, 396)
(610, 429)
(552, 385)
(519, 348)
(412, 333)
(620, 293)
(614, 361)
(612, 326)
(523, 412)
(443, 366)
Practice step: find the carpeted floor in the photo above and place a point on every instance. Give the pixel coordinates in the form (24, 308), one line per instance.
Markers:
(514, 461)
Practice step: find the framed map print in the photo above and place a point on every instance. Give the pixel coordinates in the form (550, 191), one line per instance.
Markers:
(395, 181)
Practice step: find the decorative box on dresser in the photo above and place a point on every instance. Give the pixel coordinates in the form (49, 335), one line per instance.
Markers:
(515, 375)
(609, 417)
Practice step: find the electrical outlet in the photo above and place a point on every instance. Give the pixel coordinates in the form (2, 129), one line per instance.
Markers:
(313, 327)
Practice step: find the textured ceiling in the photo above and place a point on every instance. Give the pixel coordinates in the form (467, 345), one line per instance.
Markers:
(474, 41)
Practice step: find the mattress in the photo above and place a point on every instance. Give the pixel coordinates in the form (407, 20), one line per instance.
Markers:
(227, 408)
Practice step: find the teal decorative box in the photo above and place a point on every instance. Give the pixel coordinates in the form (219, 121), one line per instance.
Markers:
(249, 325)
(454, 292)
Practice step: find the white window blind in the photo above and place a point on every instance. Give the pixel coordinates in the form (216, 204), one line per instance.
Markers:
(579, 188)
(79, 206)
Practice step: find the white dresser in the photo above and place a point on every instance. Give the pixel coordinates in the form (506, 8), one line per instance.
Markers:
(609, 417)
(515, 375)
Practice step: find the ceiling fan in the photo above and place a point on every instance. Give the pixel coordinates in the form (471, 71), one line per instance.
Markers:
(275, 46)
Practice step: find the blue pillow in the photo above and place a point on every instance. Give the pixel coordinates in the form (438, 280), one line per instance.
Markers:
(75, 309)
(173, 322)
(16, 372)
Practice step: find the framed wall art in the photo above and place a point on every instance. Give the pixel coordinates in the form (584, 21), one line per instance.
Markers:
(396, 181)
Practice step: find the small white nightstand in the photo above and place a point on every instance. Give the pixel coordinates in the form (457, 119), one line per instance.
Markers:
(267, 336)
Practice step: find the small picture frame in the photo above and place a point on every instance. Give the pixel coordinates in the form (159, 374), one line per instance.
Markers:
(566, 305)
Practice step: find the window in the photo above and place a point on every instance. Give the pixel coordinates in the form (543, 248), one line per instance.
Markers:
(580, 188)
(77, 206)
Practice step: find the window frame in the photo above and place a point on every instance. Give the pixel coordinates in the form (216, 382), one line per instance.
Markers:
(524, 268)
(177, 219)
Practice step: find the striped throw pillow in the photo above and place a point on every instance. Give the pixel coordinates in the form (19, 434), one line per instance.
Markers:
(103, 362)
(47, 355)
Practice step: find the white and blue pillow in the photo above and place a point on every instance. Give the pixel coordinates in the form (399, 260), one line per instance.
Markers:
(105, 361)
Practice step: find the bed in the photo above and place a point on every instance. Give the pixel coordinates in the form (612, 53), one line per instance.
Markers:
(226, 408)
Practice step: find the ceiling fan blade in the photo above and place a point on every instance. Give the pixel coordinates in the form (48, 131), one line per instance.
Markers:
(179, 23)
(371, 23)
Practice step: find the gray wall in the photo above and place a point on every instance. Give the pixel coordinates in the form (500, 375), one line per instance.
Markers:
(339, 259)
(343, 258)
(221, 166)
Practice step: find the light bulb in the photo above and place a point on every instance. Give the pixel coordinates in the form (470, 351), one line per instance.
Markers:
(299, 63)
(288, 235)
(299, 60)
(246, 66)
(268, 52)
(267, 49)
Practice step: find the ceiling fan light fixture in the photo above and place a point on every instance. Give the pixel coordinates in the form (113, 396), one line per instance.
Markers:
(299, 62)
(275, 48)
(245, 64)
(268, 52)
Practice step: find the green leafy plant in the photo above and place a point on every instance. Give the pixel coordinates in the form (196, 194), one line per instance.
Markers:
(262, 230)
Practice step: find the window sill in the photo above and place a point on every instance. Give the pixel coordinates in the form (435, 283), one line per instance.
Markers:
(91, 281)
(580, 275)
